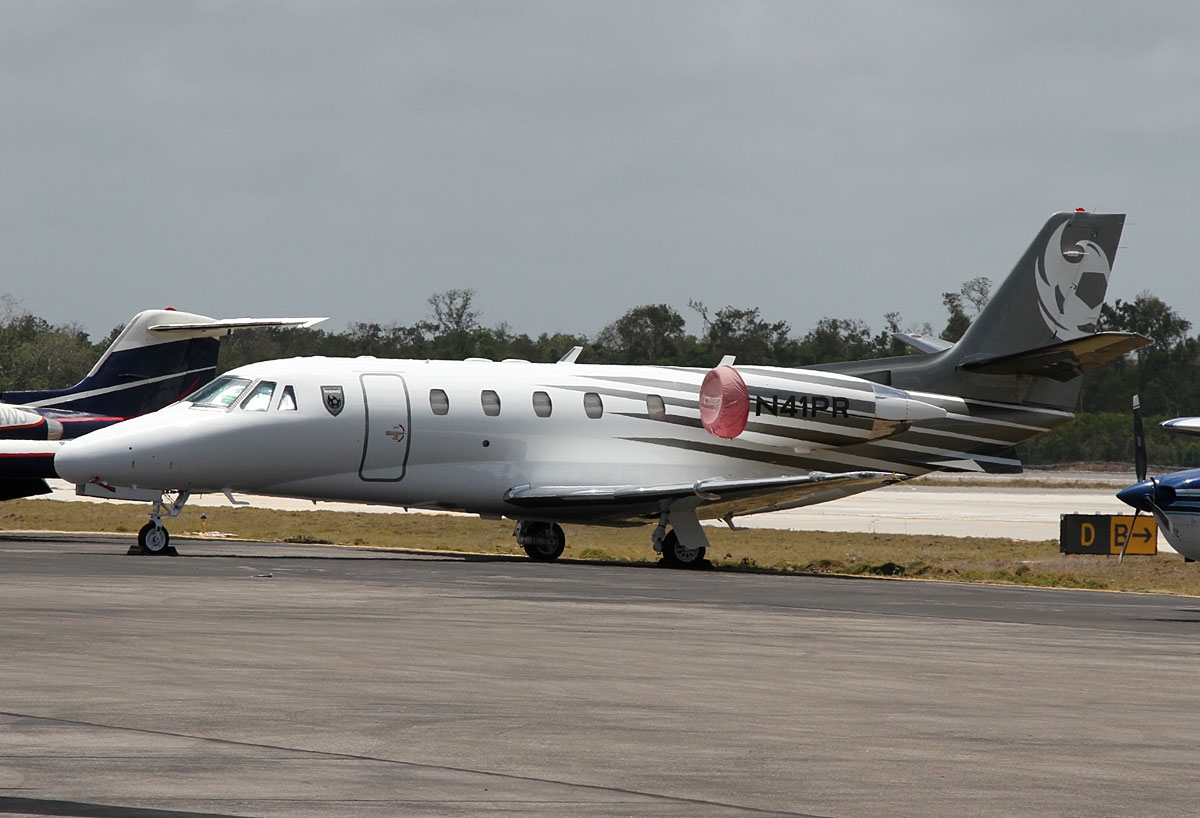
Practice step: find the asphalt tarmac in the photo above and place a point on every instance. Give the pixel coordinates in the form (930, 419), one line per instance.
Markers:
(251, 679)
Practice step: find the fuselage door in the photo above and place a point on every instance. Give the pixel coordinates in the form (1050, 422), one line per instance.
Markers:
(386, 438)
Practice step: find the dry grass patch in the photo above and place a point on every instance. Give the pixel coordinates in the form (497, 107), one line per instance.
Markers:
(975, 559)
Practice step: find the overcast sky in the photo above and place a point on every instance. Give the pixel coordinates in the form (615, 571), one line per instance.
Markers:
(569, 161)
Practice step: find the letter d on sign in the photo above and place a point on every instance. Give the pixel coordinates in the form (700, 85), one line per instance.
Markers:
(1087, 535)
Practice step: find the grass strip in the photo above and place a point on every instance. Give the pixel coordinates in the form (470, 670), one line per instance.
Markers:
(960, 559)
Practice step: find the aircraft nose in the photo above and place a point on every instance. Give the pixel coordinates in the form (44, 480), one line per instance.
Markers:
(1137, 495)
(1146, 494)
(82, 460)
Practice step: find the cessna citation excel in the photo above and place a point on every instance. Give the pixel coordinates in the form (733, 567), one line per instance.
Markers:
(545, 444)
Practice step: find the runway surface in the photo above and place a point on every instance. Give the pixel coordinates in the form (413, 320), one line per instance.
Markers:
(272, 680)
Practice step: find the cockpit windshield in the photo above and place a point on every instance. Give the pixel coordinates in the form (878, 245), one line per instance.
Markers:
(221, 393)
(260, 397)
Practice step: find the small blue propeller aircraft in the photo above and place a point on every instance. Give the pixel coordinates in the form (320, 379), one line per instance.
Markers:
(1173, 499)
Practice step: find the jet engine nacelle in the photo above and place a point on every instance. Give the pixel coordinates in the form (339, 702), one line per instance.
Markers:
(817, 407)
(21, 424)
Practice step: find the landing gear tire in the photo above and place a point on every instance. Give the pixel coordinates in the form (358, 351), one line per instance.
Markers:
(548, 541)
(154, 539)
(676, 555)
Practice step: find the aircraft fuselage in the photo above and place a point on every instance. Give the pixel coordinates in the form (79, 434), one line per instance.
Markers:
(454, 434)
(462, 434)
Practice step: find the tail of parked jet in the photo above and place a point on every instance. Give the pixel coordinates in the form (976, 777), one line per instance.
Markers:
(144, 368)
(1036, 337)
(159, 357)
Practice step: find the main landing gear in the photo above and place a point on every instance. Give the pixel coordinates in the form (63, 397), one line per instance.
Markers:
(153, 538)
(677, 555)
(682, 545)
(543, 542)
(685, 544)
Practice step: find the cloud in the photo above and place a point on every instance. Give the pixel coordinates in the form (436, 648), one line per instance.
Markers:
(571, 161)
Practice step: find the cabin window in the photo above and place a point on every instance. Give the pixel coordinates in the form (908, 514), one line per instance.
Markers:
(287, 401)
(491, 403)
(259, 399)
(221, 393)
(656, 408)
(439, 401)
(542, 405)
(592, 405)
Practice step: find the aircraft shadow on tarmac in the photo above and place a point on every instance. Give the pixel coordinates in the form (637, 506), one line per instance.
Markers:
(82, 809)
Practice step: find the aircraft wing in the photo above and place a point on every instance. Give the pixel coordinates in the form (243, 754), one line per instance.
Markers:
(715, 497)
(1187, 426)
(24, 465)
(222, 326)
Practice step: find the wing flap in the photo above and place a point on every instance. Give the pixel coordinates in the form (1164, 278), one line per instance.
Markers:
(716, 497)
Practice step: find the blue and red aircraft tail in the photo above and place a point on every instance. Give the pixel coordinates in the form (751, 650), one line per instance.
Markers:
(152, 363)
(160, 357)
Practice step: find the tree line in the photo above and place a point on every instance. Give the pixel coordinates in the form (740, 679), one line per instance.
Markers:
(35, 354)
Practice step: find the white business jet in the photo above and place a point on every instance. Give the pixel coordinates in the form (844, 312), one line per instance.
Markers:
(545, 444)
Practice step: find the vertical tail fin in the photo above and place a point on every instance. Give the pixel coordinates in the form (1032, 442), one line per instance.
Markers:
(1035, 338)
(1054, 293)
(142, 370)
(159, 357)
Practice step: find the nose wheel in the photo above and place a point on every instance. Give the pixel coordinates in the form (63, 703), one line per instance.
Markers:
(153, 538)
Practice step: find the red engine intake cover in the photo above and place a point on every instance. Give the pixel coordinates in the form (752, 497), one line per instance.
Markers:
(724, 402)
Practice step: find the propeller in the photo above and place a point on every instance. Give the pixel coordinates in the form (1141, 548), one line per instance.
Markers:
(1139, 441)
(1139, 466)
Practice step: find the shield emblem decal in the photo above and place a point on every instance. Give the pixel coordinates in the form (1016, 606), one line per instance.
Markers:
(333, 398)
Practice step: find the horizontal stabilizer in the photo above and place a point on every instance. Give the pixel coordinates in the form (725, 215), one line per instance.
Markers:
(222, 326)
(715, 497)
(923, 343)
(1063, 361)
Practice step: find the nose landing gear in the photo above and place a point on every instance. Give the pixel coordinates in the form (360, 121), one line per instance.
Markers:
(153, 538)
